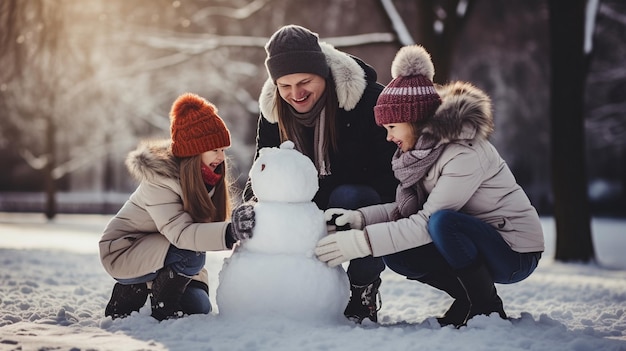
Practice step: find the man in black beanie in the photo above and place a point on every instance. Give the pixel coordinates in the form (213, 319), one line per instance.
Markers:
(322, 99)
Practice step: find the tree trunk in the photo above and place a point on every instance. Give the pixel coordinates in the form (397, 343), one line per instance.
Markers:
(569, 177)
(440, 43)
(51, 204)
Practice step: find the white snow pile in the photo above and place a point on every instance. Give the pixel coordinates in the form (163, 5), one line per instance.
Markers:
(275, 273)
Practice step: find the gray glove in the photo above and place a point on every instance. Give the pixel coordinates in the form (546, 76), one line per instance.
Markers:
(242, 221)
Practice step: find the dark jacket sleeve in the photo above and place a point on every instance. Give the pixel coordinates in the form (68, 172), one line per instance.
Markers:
(377, 165)
(268, 135)
(378, 172)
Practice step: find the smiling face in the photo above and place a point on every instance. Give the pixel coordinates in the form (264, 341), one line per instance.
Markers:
(213, 158)
(301, 90)
(402, 134)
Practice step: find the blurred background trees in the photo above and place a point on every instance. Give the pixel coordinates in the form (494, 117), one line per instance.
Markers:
(82, 82)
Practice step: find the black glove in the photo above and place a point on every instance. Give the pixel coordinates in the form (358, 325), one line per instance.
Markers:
(242, 221)
(331, 225)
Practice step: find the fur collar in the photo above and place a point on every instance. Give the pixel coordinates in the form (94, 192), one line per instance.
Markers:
(349, 76)
(152, 159)
(465, 113)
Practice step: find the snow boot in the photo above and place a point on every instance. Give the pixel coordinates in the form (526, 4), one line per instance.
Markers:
(125, 299)
(481, 292)
(449, 283)
(362, 302)
(167, 289)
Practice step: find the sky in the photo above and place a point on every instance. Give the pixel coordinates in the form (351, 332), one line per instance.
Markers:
(53, 291)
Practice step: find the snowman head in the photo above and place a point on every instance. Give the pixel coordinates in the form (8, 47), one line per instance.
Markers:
(283, 175)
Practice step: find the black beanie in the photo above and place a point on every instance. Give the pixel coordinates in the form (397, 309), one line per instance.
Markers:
(294, 49)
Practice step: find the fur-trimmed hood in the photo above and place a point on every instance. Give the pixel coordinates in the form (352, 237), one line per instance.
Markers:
(152, 159)
(350, 82)
(465, 113)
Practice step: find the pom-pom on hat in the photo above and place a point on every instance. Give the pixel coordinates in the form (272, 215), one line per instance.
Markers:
(196, 127)
(294, 49)
(410, 96)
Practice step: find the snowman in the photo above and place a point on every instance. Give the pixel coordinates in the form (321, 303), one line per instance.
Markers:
(275, 273)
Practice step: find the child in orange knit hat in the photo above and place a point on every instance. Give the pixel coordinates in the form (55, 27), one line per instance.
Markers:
(157, 242)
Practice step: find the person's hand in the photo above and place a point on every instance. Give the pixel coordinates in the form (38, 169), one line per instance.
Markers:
(242, 221)
(341, 217)
(343, 246)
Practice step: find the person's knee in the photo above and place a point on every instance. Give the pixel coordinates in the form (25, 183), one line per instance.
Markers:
(439, 217)
(191, 265)
(439, 220)
(195, 300)
(416, 262)
(395, 265)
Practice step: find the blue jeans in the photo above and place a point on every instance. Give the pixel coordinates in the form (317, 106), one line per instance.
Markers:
(361, 271)
(195, 300)
(460, 241)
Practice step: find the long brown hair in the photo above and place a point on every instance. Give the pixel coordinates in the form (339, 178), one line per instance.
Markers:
(286, 124)
(196, 199)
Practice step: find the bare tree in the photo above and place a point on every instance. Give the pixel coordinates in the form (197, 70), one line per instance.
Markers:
(102, 75)
(48, 125)
(32, 34)
(109, 77)
(569, 64)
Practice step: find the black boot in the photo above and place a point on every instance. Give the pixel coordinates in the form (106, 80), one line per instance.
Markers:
(167, 289)
(481, 292)
(449, 283)
(125, 299)
(362, 302)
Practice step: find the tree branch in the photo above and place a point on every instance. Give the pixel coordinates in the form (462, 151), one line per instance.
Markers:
(240, 13)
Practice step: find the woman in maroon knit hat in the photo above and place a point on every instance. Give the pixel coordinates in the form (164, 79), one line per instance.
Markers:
(156, 243)
(460, 222)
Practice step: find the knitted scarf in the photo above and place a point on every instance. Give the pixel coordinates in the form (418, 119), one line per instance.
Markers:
(410, 168)
(210, 178)
(315, 118)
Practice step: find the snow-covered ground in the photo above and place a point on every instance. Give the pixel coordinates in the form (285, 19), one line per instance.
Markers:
(53, 292)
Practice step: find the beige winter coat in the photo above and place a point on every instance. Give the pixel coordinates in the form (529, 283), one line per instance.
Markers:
(136, 240)
(469, 177)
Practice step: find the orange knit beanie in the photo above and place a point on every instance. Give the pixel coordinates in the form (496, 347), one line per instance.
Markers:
(196, 127)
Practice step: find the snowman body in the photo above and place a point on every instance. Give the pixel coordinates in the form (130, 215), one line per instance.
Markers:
(275, 272)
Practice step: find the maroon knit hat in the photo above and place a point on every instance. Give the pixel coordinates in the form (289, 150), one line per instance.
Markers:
(410, 96)
(196, 127)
